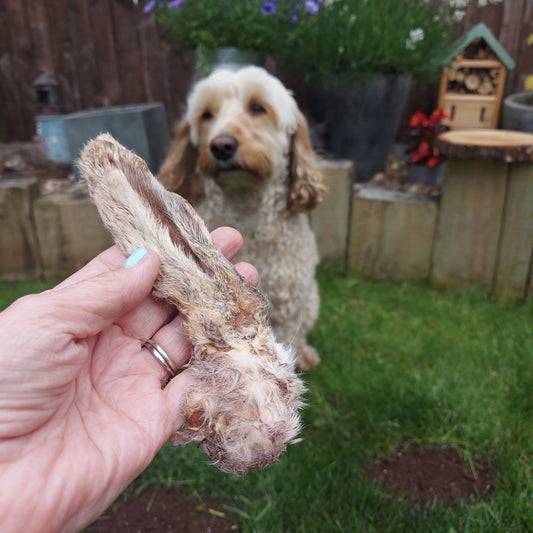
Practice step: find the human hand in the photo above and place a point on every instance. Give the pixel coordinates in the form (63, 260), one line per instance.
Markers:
(82, 409)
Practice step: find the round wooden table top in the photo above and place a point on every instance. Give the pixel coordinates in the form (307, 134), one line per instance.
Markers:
(504, 145)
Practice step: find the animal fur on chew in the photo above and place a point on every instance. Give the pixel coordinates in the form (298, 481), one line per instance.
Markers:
(244, 133)
(244, 405)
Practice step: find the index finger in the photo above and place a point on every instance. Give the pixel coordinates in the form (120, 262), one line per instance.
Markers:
(227, 240)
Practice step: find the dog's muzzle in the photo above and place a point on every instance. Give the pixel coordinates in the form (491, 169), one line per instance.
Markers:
(224, 147)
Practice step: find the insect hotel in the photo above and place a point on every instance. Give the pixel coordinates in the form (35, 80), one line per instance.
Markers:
(472, 84)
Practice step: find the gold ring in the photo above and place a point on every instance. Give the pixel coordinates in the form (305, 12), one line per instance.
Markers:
(161, 356)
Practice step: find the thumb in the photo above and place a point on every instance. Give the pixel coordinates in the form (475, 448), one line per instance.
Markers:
(85, 308)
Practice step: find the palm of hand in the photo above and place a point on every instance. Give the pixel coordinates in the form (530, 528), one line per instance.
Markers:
(82, 408)
(90, 402)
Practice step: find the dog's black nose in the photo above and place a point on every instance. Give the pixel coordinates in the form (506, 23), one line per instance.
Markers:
(223, 147)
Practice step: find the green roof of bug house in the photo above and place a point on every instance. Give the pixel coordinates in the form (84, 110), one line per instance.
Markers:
(480, 31)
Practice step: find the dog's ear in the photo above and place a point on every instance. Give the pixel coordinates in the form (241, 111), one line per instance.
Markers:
(178, 172)
(307, 186)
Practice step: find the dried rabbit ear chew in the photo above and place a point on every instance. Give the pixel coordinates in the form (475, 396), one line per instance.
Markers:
(244, 406)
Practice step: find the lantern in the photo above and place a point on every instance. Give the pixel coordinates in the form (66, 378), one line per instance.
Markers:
(48, 99)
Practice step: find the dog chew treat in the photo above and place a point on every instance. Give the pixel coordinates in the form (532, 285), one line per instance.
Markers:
(244, 405)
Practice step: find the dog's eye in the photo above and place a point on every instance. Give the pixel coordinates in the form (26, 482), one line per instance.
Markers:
(257, 109)
(207, 115)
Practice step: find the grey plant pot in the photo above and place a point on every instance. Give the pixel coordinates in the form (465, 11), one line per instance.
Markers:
(359, 120)
(141, 128)
(518, 112)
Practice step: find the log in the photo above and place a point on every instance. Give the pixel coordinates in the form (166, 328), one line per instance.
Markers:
(20, 258)
(516, 235)
(451, 74)
(391, 234)
(460, 76)
(466, 243)
(70, 233)
(330, 219)
(485, 227)
(502, 145)
(486, 86)
(472, 82)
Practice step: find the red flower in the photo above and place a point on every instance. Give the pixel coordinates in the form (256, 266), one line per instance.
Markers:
(418, 119)
(438, 116)
(426, 130)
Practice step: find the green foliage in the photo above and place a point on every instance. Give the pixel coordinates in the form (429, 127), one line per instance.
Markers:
(208, 25)
(361, 38)
(344, 38)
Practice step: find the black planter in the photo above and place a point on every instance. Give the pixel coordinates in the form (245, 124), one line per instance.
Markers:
(359, 120)
(518, 112)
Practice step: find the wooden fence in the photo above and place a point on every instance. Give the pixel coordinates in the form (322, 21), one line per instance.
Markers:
(108, 52)
(101, 52)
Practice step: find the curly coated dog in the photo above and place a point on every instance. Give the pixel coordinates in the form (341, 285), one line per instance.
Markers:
(243, 154)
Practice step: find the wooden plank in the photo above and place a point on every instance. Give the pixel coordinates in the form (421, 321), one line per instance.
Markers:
(151, 55)
(391, 235)
(70, 233)
(40, 36)
(17, 72)
(86, 69)
(516, 244)
(466, 243)
(104, 47)
(64, 54)
(524, 54)
(364, 247)
(470, 98)
(126, 17)
(330, 219)
(179, 69)
(510, 35)
(490, 15)
(478, 63)
(529, 288)
(19, 259)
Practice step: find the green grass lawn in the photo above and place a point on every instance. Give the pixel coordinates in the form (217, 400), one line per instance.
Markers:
(400, 364)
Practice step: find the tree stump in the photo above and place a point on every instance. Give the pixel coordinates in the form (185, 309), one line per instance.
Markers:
(500, 145)
(485, 229)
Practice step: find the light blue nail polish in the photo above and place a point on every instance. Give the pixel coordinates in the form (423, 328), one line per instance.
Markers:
(135, 257)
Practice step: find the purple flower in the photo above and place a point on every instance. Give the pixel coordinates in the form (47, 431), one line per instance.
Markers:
(175, 4)
(268, 8)
(149, 7)
(312, 6)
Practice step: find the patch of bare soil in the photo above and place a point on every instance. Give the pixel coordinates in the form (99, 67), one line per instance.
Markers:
(419, 474)
(164, 511)
(423, 475)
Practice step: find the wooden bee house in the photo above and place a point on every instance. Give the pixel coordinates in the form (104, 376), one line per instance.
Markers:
(472, 83)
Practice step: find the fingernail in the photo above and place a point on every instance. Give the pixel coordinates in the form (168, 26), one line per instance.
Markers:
(135, 257)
